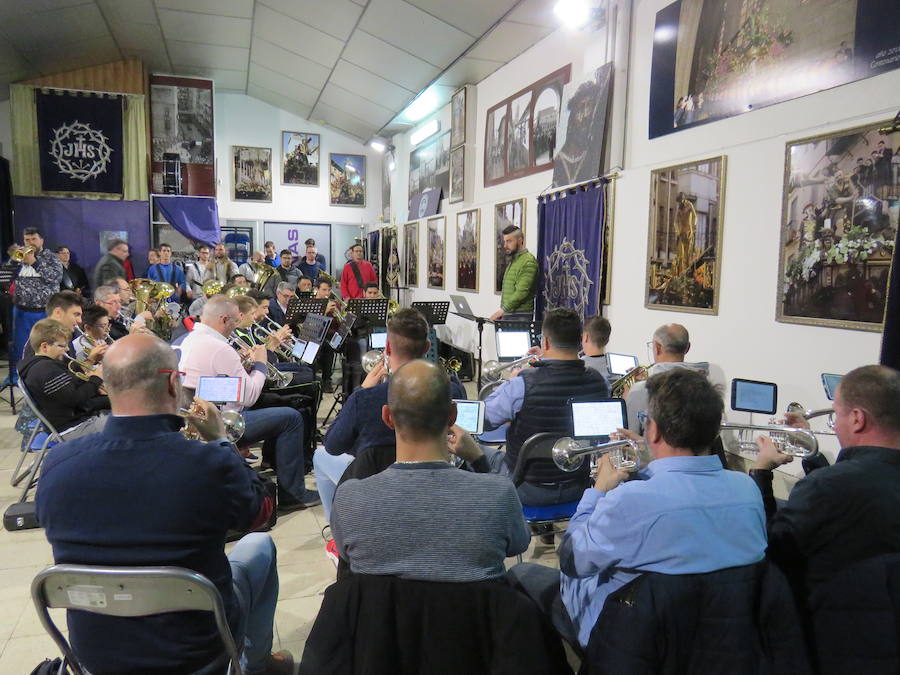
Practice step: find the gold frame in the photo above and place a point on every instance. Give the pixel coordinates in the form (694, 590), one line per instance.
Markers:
(234, 197)
(365, 181)
(651, 238)
(477, 213)
(443, 257)
(406, 229)
(494, 237)
(779, 305)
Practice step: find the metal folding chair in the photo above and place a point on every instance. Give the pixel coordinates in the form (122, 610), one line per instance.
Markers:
(43, 437)
(129, 592)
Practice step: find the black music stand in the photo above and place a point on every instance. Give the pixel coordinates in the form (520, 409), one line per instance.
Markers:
(435, 313)
(373, 309)
(314, 327)
(298, 308)
(464, 311)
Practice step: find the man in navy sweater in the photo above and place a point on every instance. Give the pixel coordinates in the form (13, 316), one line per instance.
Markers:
(139, 493)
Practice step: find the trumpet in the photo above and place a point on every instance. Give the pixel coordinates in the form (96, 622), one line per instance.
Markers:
(491, 370)
(234, 421)
(277, 378)
(792, 441)
(621, 386)
(371, 359)
(19, 254)
(796, 408)
(568, 454)
(86, 371)
(451, 365)
(279, 349)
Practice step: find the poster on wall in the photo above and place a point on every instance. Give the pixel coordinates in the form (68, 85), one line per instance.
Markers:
(390, 256)
(411, 253)
(468, 229)
(839, 224)
(437, 251)
(457, 174)
(506, 214)
(387, 162)
(714, 59)
(299, 158)
(347, 179)
(684, 244)
(181, 125)
(429, 170)
(458, 118)
(581, 131)
(252, 174)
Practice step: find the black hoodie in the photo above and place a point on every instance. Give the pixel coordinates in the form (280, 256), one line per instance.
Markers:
(62, 398)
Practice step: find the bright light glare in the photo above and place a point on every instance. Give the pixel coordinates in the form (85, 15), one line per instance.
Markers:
(665, 34)
(424, 105)
(573, 13)
(392, 165)
(430, 128)
(377, 146)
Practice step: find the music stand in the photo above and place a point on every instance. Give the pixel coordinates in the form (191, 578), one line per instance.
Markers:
(340, 335)
(373, 309)
(464, 311)
(298, 308)
(435, 313)
(314, 327)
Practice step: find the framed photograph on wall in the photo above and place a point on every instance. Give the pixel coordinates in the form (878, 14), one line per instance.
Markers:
(684, 245)
(437, 251)
(299, 158)
(457, 174)
(251, 176)
(505, 214)
(468, 230)
(411, 253)
(347, 179)
(458, 118)
(838, 227)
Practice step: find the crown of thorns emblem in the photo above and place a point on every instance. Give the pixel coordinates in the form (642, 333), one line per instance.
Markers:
(79, 151)
(567, 280)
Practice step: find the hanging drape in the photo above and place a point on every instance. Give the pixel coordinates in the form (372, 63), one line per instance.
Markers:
(26, 161)
(197, 218)
(890, 339)
(570, 249)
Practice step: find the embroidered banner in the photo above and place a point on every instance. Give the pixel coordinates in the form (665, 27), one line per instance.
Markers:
(80, 141)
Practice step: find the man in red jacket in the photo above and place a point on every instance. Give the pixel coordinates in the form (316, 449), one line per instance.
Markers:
(357, 273)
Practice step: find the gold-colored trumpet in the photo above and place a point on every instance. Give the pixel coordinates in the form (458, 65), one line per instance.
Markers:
(621, 386)
(213, 287)
(19, 254)
(792, 441)
(568, 454)
(451, 365)
(86, 371)
(234, 421)
(493, 370)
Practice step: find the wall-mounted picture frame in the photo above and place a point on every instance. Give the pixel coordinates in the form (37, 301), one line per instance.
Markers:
(300, 158)
(411, 254)
(251, 174)
(429, 169)
(468, 233)
(347, 179)
(684, 244)
(458, 174)
(838, 227)
(458, 118)
(437, 252)
(505, 214)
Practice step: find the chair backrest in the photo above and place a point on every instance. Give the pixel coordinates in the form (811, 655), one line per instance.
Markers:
(29, 399)
(127, 592)
(536, 447)
(489, 389)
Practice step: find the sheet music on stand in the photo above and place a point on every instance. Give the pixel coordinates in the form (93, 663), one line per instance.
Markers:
(373, 309)
(435, 313)
(298, 308)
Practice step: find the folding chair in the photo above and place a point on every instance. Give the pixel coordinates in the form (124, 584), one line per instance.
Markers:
(129, 592)
(43, 437)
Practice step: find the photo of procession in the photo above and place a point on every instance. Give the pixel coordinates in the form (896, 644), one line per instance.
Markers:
(347, 180)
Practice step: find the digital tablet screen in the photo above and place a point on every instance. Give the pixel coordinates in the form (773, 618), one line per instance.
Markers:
(755, 397)
(512, 344)
(309, 355)
(830, 382)
(619, 364)
(378, 340)
(598, 418)
(298, 349)
(336, 341)
(470, 415)
(220, 389)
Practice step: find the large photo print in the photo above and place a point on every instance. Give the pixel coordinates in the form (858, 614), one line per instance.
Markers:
(714, 59)
(839, 224)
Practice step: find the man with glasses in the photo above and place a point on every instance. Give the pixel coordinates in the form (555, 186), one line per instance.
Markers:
(278, 305)
(95, 339)
(196, 273)
(205, 352)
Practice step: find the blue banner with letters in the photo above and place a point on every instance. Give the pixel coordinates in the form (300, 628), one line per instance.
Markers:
(80, 141)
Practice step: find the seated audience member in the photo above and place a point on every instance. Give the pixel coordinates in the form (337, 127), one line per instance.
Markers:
(93, 343)
(685, 515)
(359, 425)
(205, 352)
(72, 405)
(286, 270)
(284, 291)
(537, 400)
(73, 278)
(848, 512)
(593, 342)
(168, 271)
(139, 493)
(421, 518)
(670, 343)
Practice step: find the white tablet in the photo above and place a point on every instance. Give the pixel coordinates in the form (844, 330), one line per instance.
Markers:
(470, 415)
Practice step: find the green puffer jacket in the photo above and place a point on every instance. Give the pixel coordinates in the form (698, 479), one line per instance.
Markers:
(518, 284)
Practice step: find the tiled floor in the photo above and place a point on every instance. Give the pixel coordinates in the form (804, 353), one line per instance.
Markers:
(304, 572)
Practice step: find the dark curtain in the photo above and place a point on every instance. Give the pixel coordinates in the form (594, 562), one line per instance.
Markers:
(197, 218)
(6, 207)
(890, 339)
(570, 249)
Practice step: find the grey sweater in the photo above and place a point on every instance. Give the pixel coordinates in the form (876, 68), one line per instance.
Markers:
(429, 521)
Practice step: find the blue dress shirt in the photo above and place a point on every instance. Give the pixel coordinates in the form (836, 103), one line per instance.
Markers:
(171, 274)
(504, 403)
(687, 516)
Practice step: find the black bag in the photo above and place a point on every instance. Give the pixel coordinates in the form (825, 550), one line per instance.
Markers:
(48, 667)
(272, 491)
(20, 516)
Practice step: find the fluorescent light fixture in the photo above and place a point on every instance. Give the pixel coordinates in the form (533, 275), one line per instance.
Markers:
(572, 13)
(377, 146)
(425, 104)
(430, 128)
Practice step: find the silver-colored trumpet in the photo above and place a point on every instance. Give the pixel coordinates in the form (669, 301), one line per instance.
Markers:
(281, 350)
(796, 408)
(568, 454)
(492, 370)
(372, 358)
(792, 441)
(279, 379)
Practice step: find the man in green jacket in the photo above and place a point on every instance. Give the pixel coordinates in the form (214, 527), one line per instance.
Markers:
(519, 279)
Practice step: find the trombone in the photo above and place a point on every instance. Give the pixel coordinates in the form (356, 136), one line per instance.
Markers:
(792, 441)
(491, 370)
(568, 454)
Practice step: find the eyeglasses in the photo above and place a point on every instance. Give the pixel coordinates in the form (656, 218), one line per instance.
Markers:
(56, 344)
(166, 371)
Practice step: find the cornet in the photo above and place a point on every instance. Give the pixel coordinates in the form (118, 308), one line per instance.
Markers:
(234, 421)
(19, 254)
(792, 441)
(568, 454)
(628, 380)
(491, 370)
(372, 358)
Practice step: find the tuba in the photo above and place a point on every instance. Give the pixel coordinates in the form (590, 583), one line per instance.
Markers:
(263, 273)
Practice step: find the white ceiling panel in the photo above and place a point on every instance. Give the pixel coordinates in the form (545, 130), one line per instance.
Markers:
(128, 11)
(142, 36)
(335, 17)
(288, 63)
(297, 37)
(468, 71)
(356, 105)
(10, 9)
(344, 121)
(239, 8)
(388, 61)
(33, 32)
(156, 60)
(507, 41)
(417, 32)
(12, 60)
(278, 101)
(285, 86)
(205, 28)
(87, 53)
(208, 56)
(370, 86)
(472, 16)
(234, 80)
(535, 12)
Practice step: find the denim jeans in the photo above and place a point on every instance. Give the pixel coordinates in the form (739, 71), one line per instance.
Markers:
(329, 469)
(254, 577)
(285, 425)
(532, 494)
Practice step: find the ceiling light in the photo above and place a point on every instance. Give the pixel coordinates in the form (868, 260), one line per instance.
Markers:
(665, 34)
(377, 146)
(428, 129)
(425, 104)
(572, 13)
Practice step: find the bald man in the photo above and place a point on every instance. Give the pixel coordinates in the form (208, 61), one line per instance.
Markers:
(421, 518)
(140, 493)
(670, 344)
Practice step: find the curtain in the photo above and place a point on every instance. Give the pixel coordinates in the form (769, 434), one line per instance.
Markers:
(570, 249)
(26, 164)
(890, 339)
(197, 218)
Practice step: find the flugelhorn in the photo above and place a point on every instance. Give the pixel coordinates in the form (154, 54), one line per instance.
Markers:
(491, 370)
(87, 368)
(792, 441)
(568, 454)
(234, 421)
(372, 358)
(621, 386)
(798, 409)
(19, 254)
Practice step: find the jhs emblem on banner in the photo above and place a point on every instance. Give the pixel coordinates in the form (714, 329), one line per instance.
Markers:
(567, 282)
(79, 151)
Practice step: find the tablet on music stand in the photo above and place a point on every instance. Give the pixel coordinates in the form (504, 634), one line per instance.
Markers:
(512, 344)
